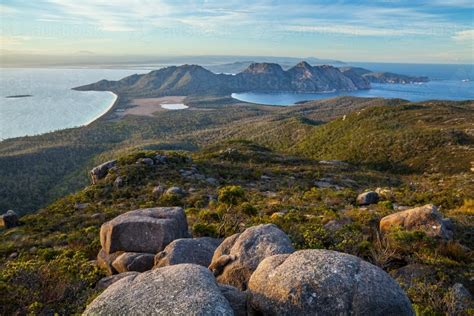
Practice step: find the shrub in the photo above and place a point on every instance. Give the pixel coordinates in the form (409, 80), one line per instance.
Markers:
(231, 195)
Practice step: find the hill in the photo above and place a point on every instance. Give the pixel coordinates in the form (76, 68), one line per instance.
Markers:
(195, 80)
(380, 77)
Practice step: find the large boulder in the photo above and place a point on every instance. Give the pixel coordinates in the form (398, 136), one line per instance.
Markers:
(239, 255)
(324, 282)
(9, 219)
(425, 218)
(133, 261)
(101, 171)
(367, 198)
(461, 300)
(183, 289)
(236, 298)
(188, 250)
(105, 260)
(145, 230)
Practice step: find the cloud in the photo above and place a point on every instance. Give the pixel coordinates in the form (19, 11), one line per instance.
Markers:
(466, 35)
(353, 30)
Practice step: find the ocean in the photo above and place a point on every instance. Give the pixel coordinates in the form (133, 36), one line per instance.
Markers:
(53, 105)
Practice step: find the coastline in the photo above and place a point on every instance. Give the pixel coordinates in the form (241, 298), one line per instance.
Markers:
(106, 111)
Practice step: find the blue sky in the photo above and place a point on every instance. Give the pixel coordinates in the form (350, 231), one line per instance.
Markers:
(440, 31)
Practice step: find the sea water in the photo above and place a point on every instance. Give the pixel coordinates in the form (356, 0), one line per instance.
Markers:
(447, 82)
(52, 104)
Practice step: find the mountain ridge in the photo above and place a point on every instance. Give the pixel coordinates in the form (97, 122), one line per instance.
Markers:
(258, 77)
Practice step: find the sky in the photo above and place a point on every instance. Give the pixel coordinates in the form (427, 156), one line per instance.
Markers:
(432, 31)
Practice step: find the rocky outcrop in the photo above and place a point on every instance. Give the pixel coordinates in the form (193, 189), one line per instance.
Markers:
(197, 250)
(133, 261)
(323, 282)
(184, 289)
(367, 198)
(105, 260)
(239, 255)
(425, 218)
(9, 219)
(101, 171)
(176, 191)
(144, 230)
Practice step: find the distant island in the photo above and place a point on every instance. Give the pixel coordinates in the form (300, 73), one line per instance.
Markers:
(195, 80)
(18, 96)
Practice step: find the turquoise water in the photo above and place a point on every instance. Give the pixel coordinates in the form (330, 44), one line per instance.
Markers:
(52, 105)
(448, 82)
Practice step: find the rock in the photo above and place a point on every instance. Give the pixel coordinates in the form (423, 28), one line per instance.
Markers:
(425, 218)
(101, 171)
(109, 280)
(367, 198)
(265, 178)
(133, 261)
(99, 216)
(460, 299)
(177, 191)
(239, 255)
(236, 298)
(183, 289)
(323, 184)
(158, 191)
(334, 163)
(188, 250)
(324, 282)
(212, 181)
(13, 255)
(118, 183)
(277, 215)
(145, 230)
(408, 275)
(336, 224)
(145, 161)
(160, 159)
(9, 219)
(33, 250)
(105, 260)
(80, 206)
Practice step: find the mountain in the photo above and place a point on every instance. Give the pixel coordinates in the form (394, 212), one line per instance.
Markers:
(239, 66)
(380, 77)
(258, 77)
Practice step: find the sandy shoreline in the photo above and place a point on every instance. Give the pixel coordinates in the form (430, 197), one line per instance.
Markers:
(106, 111)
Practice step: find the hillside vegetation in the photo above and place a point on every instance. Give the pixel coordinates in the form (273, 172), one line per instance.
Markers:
(390, 135)
(47, 263)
